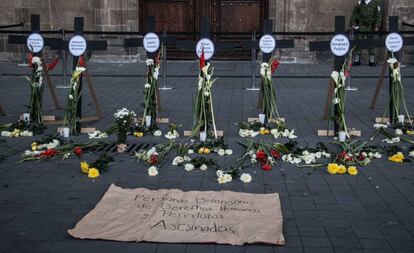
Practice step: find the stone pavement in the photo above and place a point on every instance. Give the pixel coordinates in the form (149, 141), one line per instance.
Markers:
(371, 212)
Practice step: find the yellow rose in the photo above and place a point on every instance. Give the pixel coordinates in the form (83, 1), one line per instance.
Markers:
(267, 131)
(410, 132)
(138, 134)
(84, 167)
(34, 146)
(262, 131)
(93, 173)
(352, 170)
(398, 158)
(207, 151)
(341, 169)
(333, 168)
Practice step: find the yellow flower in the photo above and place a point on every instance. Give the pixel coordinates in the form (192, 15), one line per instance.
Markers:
(410, 132)
(352, 170)
(201, 151)
(262, 131)
(84, 167)
(34, 146)
(333, 168)
(398, 158)
(207, 151)
(138, 134)
(93, 173)
(341, 169)
(267, 131)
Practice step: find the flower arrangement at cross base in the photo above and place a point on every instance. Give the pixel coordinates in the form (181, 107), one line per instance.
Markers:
(217, 146)
(151, 89)
(71, 119)
(397, 154)
(352, 153)
(269, 102)
(397, 96)
(173, 133)
(309, 156)
(203, 113)
(124, 119)
(276, 129)
(21, 129)
(36, 91)
(155, 156)
(264, 154)
(337, 108)
(56, 149)
(95, 169)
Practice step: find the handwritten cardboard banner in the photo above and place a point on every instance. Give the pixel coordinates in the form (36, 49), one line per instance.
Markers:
(175, 216)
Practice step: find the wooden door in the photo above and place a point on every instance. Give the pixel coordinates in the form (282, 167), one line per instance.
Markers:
(184, 16)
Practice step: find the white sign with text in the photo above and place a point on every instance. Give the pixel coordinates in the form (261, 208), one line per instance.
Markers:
(207, 45)
(340, 45)
(394, 42)
(77, 45)
(35, 42)
(267, 43)
(151, 42)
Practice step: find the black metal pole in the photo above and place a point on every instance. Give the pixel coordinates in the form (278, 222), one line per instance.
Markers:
(393, 27)
(78, 30)
(338, 62)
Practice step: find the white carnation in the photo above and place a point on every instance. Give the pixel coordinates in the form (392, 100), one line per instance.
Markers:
(245, 178)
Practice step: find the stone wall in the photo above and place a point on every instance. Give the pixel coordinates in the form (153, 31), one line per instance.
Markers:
(122, 15)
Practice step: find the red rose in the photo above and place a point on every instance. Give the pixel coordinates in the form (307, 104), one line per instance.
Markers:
(261, 155)
(78, 151)
(276, 154)
(49, 153)
(266, 167)
(348, 159)
(53, 64)
(361, 157)
(153, 159)
(274, 65)
(342, 155)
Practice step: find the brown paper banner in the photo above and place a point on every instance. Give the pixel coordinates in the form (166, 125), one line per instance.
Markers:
(174, 216)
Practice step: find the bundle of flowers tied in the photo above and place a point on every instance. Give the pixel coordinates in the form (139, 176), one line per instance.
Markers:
(21, 129)
(337, 108)
(203, 112)
(95, 169)
(71, 119)
(268, 92)
(151, 99)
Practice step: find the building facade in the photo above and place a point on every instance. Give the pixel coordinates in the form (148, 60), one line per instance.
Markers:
(183, 16)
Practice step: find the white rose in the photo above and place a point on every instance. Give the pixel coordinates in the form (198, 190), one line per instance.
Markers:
(227, 178)
(152, 171)
(190, 151)
(157, 133)
(245, 178)
(398, 132)
(229, 152)
(147, 86)
(149, 62)
(187, 158)
(377, 155)
(219, 173)
(177, 161)
(221, 152)
(188, 167)
(203, 167)
(318, 154)
(411, 153)
(392, 61)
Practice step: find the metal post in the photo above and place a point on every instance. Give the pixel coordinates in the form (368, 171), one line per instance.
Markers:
(253, 62)
(64, 65)
(164, 65)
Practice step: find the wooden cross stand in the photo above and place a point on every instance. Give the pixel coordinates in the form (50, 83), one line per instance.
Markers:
(37, 50)
(151, 53)
(339, 60)
(398, 41)
(267, 49)
(82, 45)
(205, 35)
